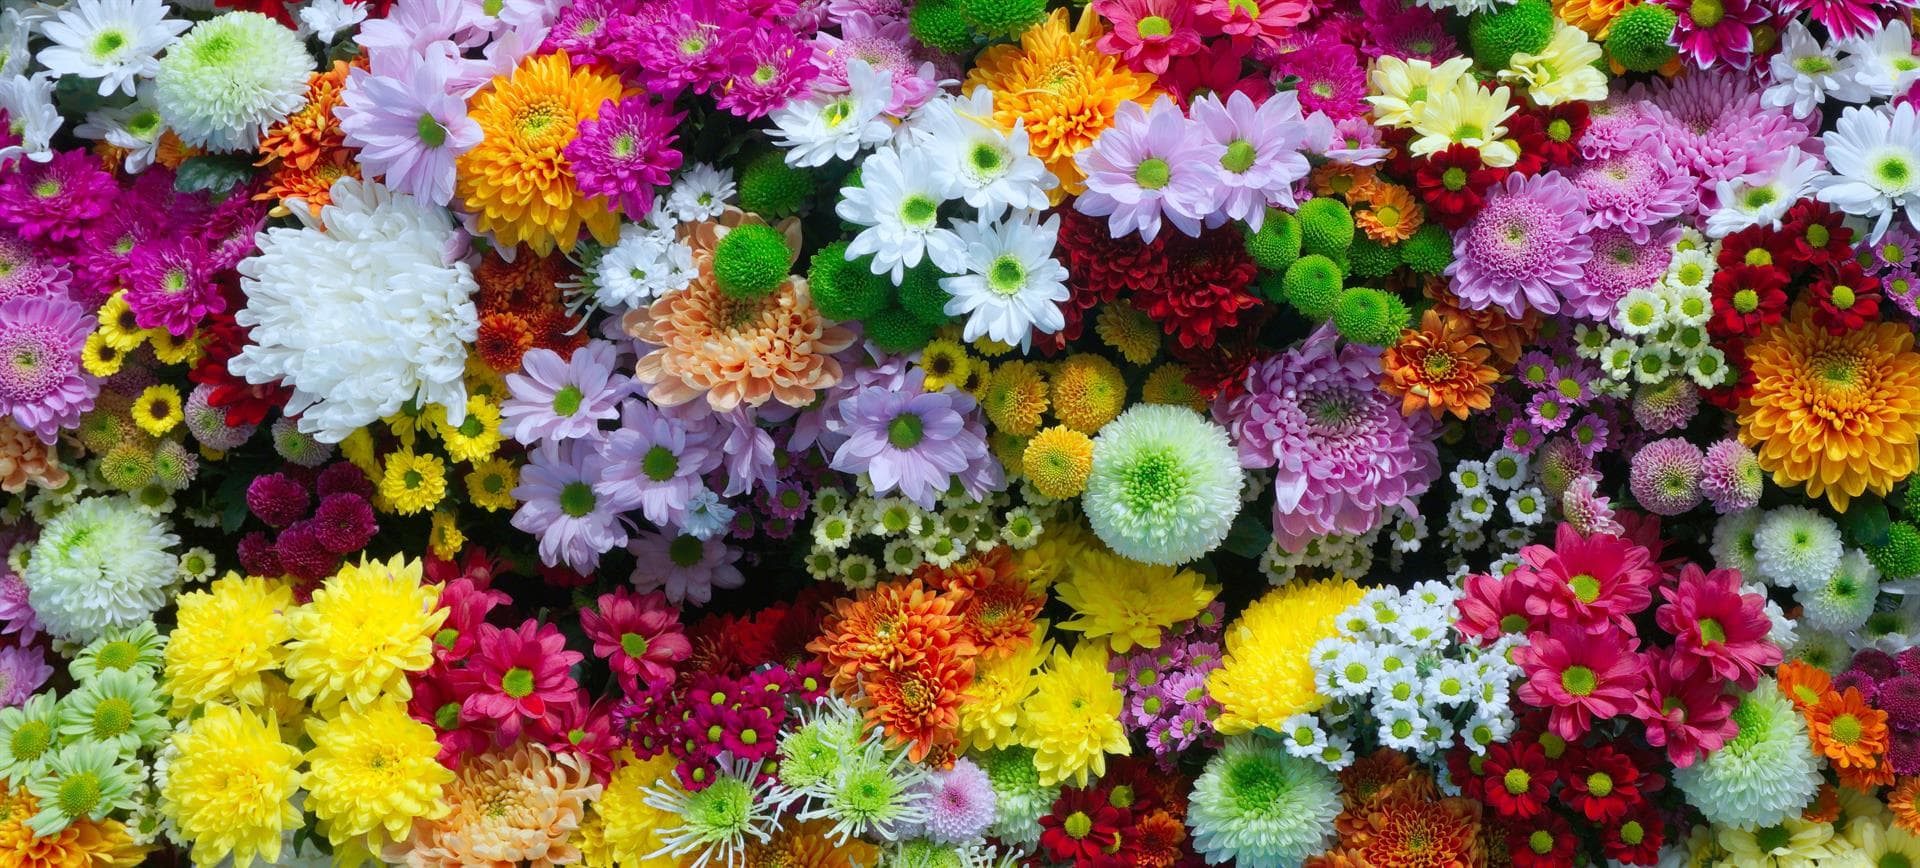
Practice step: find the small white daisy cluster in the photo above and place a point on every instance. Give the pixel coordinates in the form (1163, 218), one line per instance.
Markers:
(650, 259)
(845, 527)
(1659, 332)
(1397, 668)
(1496, 499)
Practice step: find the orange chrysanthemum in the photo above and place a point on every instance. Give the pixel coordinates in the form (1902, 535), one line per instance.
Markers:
(519, 806)
(807, 845)
(1441, 366)
(311, 134)
(84, 844)
(1904, 801)
(503, 339)
(1064, 89)
(1403, 827)
(1849, 731)
(1804, 684)
(1825, 807)
(1158, 840)
(1370, 775)
(24, 459)
(997, 605)
(884, 625)
(1505, 335)
(525, 286)
(1389, 214)
(916, 702)
(312, 184)
(1840, 413)
(517, 182)
(1346, 180)
(171, 152)
(1593, 16)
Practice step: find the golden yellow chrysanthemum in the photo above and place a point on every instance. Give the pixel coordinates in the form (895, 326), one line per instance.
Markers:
(490, 485)
(1058, 462)
(809, 844)
(1128, 602)
(1168, 384)
(444, 537)
(1061, 87)
(1072, 721)
(1840, 413)
(1129, 331)
(226, 636)
(629, 828)
(1052, 560)
(946, 364)
(1593, 16)
(522, 805)
(1016, 398)
(158, 409)
(374, 770)
(1088, 391)
(82, 844)
(1265, 676)
(516, 181)
(230, 787)
(1001, 686)
(477, 437)
(414, 482)
(369, 626)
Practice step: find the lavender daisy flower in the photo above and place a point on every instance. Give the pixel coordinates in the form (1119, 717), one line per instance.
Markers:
(776, 67)
(909, 440)
(560, 400)
(1619, 265)
(656, 462)
(408, 121)
(1525, 248)
(1258, 150)
(585, 29)
(22, 671)
(566, 501)
(1634, 191)
(1591, 434)
(626, 153)
(1151, 163)
(42, 385)
(1353, 141)
(686, 567)
(748, 450)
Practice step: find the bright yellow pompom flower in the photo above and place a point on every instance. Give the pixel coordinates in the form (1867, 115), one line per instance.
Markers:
(1130, 603)
(230, 787)
(363, 632)
(1058, 460)
(1265, 676)
(226, 637)
(374, 770)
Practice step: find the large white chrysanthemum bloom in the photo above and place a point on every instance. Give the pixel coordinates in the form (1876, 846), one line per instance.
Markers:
(100, 563)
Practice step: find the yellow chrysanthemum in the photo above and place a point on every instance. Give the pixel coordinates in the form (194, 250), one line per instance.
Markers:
(358, 449)
(1128, 602)
(808, 844)
(1840, 413)
(444, 538)
(477, 437)
(1052, 560)
(1467, 115)
(990, 716)
(521, 805)
(158, 410)
(1008, 449)
(1400, 87)
(485, 382)
(1058, 462)
(369, 626)
(1016, 398)
(1072, 721)
(490, 485)
(100, 358)
(1265, 676)
(1168, 384)
(117, 324)
(413, 481)
(629, 828)
(172, 349)
(1088, 391)
(1129, 331)
(1061, 87)
(1563, 71)
(517, 182)
(946, 364)
(374, 770)
(225, 637)
(230, 787)
(82, 844)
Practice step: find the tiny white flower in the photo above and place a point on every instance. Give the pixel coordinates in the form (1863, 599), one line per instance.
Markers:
(1337, 754)
(28, 103)
(1507, 469)
(1303, 736)
(1469, 477)
(1640, 312)
(1403, 727)
(1527, 505)
(700, 193)
(640, 267)
(135, 127)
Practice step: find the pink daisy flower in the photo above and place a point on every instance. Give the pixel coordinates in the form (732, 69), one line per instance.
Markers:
(1148, 34)
(1688, 713)
(1492, 607)
(517, 676)
(1579, 677)
(1266, 21)
(638, 635)
(1597, 582)
(1713, 31)
(1716, 627)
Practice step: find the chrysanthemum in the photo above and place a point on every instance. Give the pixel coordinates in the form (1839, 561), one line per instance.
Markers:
(622, 822)
(100, 563)
(229, 79)
(1257, 804)
(1130, 603)
(1469, 116)
(1716, 626)
(897, 207)
(1635, 191)
(1000, 689)
(43, 387)
(517, 181)
(626, 153)
(1441, 367)
(1151, 164)
(114, 41)
(1731, 476)
(1716, 31)
(1876, 165)
(1849, 732)
(1665, 476)
(910, 440)
(1165, 485)
(717, 821)
(1764, 774)
(225, 638)
(374, 769)
(1525, 248)
(1844, 601)
(1072, 721)
(82, 780)
(1401, 825)
(521, 804)
(1837, 413)
(685, 566)
(1064, 89)
(208, 756)
(1266, 675)
(364, 631)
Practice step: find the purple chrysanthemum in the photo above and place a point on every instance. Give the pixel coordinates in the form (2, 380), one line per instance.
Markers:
(684, 566)
(42, 385)
(1558, 463)
(1591, 434)
(1342, 452)
(229, 231)
(16, 614)
(1151, 163)
(1617, 124)
(1731, 477)
(1664, 406)
(170, 286)
(1898, 249)
(301, 553)
(887, 47)
(22, 671)
(25, 273)
(1714, 124)
(911, 440)
(776, 68)
(1332, 79)
(1525, 249)
(1903, 286)
(1635, 191)
(626, 153)
(1619, 265)
(566, 503)
(1258, 150)
(409, 122)
(555, 399)
(1665, 476)
(655, 461)
(341, 477)
(960, 803)
(1404, 31)
(54, 201)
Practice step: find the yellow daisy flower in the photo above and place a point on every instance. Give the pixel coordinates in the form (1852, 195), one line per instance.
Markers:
(444, 537)
(474, 439)
(414, 482)
(158, 410)
(117, 325)
(946, 364)
(173, 349)
(490, 485)
(100, 357)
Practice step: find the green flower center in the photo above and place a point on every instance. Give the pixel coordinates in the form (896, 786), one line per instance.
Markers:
(1818, 235)
(1746, 301)
(1772, 838)
(1893, 171)
(566, 402)
(905, 431)
(446, 637)
(31, 740)
(985, 157)
(1077, 825)
(1579, 680)
(686, 550)
(659, 464)
(119, 654)
(1152, 26)
(446, 717)
(108, 42)
(577, 499)
(431, 133)
(1600, 784)
(918, 211)
(1152, 173)
(633, 645)
(1559, 130)
(1707, 13)
(1454, 178)
(1585, 587)
(1842, 297)
(1517, 781)
(1812, 64)
(46, 188)
(1541, 842)
(1153, 480)
(112, 717)
(79, 794)
(1239, 156)
(1007, 276)
(1256, 785)
(1711, 632)
(1846, 729)
(1513, 624)
(517, 682)
(1632, 833)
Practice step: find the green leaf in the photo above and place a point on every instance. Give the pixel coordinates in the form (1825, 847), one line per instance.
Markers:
(214, 173)
(1249, 537)
(1866, 522)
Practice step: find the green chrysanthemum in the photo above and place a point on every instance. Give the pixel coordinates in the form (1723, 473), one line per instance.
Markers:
(1277, 244)
(139, 649)
(1494, 36)
(1369, 316)
(1326, 226)
(842, 289)
(29, 734)
(1370, 259)
(920, 293)
(1003, 17)
(896, 330)
(1165, 485)
(1258, 805)
(1021, 800)
(81, 779)
(1312, 286)
(1638, 38)
(939, 24)
(1764, 774)
(751, 261)
(1899, 556)
(229, 79)
(771, 188)
(716, 821)
(1429, 251)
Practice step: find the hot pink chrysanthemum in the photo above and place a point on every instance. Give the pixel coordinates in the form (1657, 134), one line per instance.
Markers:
(54, 201)
(1690, 714)
(639, 635)
(1596, 582)
(1716, 31)
(517, 676)
(1716, 627)
(1579, 677)
(1266, 22)
(1148, 34)
(1492, 607)
(626, 153)
(170, 285)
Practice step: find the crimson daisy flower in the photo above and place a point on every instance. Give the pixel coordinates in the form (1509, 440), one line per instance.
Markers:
(1453, 182)
(1813, 235)
(467, 603)
(1717, 627)
(1517, 779)
(1605, 784)
(1546, 841)
(639, 636)
(1844, 297)
(1754, 245)
(1084, 829)
(1548, 138)
(517, 676)
(1599, 582)
(1579, 677)
(1636, 839)
(1747, 298)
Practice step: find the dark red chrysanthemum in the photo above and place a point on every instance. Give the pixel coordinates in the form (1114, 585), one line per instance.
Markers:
(1813, 236)
(1454, 183)
(1099, 267)
(1844, 297)
(1519, 778)
(1747, 298)
(1204, 289)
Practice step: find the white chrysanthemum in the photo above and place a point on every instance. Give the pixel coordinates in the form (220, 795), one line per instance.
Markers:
(898, 206)
(1884, 62)
(1256, 805)
(230, 78)
(1893, 631)
(1828, 651)
(640, 267)
(1796, 546)
(394, 311)
(326, 18)
(1165, 485)
(1765, 773)
(1875, 156)
(1782, 631)
(1011, 285)
(135, 127)
(1842, 602)
(1732, 546)
(115, 41)
(700, 193)
(100, 563)
(829, 126)
(14, 32)
(990, 169)
(28, 103)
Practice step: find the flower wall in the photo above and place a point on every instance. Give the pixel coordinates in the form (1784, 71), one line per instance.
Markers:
(960, 433)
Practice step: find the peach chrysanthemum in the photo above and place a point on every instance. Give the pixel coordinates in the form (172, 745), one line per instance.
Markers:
(1840, 413)
(517, 182)
(24, 459)
(1369, 776)
(1504, 334)
(734, 351)
(1441, 366)
(1061, 87)
(83, 844)
(1389, 214)
(808, 845)
(1904, 801)
(521, 805)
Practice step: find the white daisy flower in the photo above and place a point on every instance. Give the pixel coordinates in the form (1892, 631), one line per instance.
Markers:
(28, 103)
(13, 43)
(991, 170)
(898, 201)
(1875, 155)
(640, 267)
(1806, 74)
(1527, 505)
(701, 193)
(1011, 285)
(1469, 477)
(829, 126)
(136, 127)
(1507, 469)
(115, 41)
(325, 19)
(1762, 198)
(1884, 63)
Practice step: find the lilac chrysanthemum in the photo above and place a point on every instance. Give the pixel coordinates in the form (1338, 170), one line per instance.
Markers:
(42, 385)
(910, 440)
(1731, 477)
(1558, 463)
(1619, 265)
(1714, 124)
(960, 803)
(1258, 149)
(565, 501)
(54, 201)
(1635, 191)
(1591, 433)
(776, 67)
(685, 567)
(1525, 249)
(1342, 452)
(22, 671)
(26, 273)
(16, 614)
(1665, 476)
(655, 461)
(1662, 407)
(626, 153)
(1151, 163)
(170, 286)
(887, 47)
(1903, 286)
(555, 399)
(1617, 124)
(1332, 79)
(409, 121)
(229, 231)
(1586, 509)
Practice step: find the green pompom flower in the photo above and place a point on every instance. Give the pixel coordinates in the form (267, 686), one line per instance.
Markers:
(1326, 226)
(1369, 259)
(1899, 557)
(1003, 17)
(229, 79)
(771, 188)
(751, 261)
(940, 25)
(1766, 773)
(1428, 251)
(1312, 286)
(1165, 485)
(1494, 36)
(896, 330)
(920, 293)
(842, 289)
(1277, 244)
(1256, 804)
(1369, 316)
(1638, 38)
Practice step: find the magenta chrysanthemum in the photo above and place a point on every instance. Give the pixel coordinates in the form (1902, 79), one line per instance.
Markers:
(53, 201)
(1525, 249)
(170, 286)
(1332, 79)
(42, 385)
(626, 153)
(1665, 476)
(1731, 477)
(1717, 31)
(886, 46)
(26, 273)
(775, 68)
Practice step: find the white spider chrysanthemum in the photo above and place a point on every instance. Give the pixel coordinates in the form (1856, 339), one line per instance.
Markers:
(1883, 63)
(715, 821)
(1012, 286)
(700, 193)
(991, 170)
(1807, 73)
(1796, 546)
(229, 78)
(829, 126)
(135, 127)
(100, 563)
(1762, 198)
(640, 267)
(872, 792)
(115, 41)
(398, 311)
(28, 103)
(1875, 157)
(898, 203)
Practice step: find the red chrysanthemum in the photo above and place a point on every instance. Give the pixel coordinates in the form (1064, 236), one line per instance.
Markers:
(1844, 297)
(1546, 841)
(1099, 268)
(1204, 289)
(1084, 829)
(1813, 235)
(246, 403)
(1519, 779)
(504, 338)
(1605, 784)
(1548, 138)
(1453, 183)
(1636, 839)
(1747, 298)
